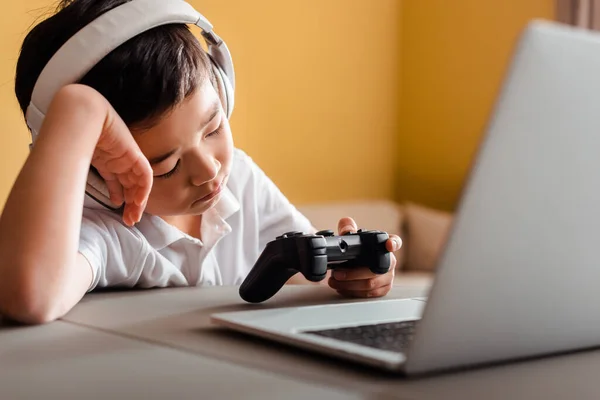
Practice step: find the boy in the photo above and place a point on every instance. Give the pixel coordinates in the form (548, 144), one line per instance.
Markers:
(149, 118)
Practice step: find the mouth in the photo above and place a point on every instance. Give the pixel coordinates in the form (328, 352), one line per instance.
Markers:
(212, 194)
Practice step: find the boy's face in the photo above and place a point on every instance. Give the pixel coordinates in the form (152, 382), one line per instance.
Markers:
(190, 151)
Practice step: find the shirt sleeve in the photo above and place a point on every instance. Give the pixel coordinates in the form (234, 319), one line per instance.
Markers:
(120, 257)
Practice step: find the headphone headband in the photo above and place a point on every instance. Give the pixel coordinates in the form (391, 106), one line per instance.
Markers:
(92, 43)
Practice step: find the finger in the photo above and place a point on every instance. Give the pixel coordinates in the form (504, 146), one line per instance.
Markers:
(379, 292)
(394, 243)
(143, 179)
(116, 192)
(126, 161)
(136, 197)
(129, 193)
(346, 225)
(138, 187)
(142, 166)
(127, 215)
(136, 212)
(353, 274)
(143, 191)
(363, 284)
(115, 189)
(132, 210)
(119, 165)
(132, 214)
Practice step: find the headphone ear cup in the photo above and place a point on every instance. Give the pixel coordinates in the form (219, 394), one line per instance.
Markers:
(225, 88)
(97, 189)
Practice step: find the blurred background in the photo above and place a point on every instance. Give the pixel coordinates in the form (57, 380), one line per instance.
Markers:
(342, 101)
(339, 99)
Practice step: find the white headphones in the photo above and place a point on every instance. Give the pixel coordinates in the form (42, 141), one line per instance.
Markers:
(97, 39)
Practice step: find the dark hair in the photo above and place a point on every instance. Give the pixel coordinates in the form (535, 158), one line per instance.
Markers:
(138, 78)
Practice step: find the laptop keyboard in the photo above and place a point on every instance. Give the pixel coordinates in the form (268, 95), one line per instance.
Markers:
(391, 336)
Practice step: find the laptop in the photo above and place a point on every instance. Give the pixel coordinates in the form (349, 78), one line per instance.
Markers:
(519, 275)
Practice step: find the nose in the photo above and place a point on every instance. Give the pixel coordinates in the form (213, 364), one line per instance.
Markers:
(203, 168)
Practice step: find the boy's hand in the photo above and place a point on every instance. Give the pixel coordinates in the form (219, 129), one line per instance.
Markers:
(121, 163)
(361, 282)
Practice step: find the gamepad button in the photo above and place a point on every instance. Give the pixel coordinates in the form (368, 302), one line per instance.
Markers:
(290, 234)
(327, 232)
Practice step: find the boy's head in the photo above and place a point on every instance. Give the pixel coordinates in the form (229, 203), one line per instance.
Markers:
(162, 84)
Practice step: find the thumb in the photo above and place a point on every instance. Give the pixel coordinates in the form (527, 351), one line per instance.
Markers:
(346, 225)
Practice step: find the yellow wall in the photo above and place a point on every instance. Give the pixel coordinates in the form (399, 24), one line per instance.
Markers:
(14, 137)
(325, 107)
(454, 54)
(317, 96)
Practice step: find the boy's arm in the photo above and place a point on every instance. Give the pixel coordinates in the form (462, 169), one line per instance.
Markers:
(42, 275)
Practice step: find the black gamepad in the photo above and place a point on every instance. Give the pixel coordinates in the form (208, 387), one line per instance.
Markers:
(313, 255)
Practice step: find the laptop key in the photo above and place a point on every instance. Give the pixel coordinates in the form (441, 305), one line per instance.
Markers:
(390, 336)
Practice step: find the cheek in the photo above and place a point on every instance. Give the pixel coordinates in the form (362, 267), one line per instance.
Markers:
(226, 158)
(163, 198)
(226, 150)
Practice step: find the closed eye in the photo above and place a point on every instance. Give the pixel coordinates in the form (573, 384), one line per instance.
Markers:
(215, 132)
(171, 172)
(176, 167)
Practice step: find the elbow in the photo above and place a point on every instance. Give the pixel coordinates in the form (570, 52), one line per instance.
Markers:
(27, 312)
(28, 309)
(23, 302)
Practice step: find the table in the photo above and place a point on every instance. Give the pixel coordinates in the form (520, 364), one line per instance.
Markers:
(67, 361)
(161, 342)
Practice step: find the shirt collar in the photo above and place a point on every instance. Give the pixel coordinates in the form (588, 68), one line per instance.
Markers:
(161, 234)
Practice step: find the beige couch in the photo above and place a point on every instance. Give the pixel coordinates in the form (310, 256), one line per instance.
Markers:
(422, 229)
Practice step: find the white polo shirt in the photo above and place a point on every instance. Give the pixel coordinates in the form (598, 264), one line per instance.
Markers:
(251, 212)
